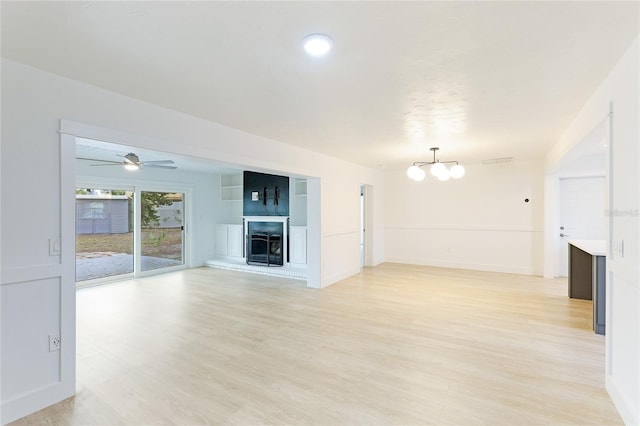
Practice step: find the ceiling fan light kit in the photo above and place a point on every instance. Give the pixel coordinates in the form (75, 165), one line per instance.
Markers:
(131, 167)
(438, 169)
(131, 162)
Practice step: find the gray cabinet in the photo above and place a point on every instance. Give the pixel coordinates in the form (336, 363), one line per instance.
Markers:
(587, 277)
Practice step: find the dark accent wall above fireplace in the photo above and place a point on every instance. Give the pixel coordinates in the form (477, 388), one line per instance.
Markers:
(265, 195)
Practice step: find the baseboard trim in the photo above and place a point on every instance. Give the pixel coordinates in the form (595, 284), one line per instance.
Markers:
(622, 405)
(25, 404)
(333, 279)
(508, 269)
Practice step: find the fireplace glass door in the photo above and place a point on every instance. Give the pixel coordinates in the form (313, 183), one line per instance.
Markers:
(264, 244)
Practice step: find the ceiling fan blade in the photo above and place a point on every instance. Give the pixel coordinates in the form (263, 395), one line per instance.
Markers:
(102, 161)
(159, 166)
(146, 163)
(129, 160)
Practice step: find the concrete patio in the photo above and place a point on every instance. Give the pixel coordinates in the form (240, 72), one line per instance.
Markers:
(110, 264)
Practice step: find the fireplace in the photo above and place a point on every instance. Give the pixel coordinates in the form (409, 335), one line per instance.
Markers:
(265, 243)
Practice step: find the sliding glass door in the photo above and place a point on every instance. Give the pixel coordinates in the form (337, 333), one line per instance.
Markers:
(122, 232)
(162, 230)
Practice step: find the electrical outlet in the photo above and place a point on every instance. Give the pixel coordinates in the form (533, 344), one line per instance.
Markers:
(54, 342)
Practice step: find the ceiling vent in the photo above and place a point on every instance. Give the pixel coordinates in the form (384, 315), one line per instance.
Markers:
(498, 160)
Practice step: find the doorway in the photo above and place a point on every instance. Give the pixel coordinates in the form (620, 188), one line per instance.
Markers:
(582, 214)
(366, 224)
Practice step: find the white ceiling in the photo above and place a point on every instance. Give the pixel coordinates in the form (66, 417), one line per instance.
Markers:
(479, 79)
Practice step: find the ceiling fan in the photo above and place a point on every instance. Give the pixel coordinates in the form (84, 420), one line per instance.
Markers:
(132, 162)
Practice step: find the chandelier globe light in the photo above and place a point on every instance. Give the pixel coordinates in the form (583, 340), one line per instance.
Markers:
(438, 169)
(444, 175)
(420, 175)
(457, 171)
(413, 171)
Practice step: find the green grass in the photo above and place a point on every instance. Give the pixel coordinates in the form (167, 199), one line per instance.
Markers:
(165, 243)
(101, 243)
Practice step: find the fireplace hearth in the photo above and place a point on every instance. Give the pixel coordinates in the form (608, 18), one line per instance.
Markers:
(265, 243)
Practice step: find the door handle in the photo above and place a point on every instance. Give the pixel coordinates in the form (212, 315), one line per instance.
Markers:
(563, 235)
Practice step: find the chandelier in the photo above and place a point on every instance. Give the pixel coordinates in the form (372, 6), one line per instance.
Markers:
(438, 169)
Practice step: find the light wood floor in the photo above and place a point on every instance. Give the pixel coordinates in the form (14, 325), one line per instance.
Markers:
(395, 344)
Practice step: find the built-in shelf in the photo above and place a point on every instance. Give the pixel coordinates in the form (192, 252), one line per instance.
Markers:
(231, 187)
(300, 187)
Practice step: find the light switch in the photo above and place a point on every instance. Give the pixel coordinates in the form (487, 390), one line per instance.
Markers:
(618, 248)
(54, 246)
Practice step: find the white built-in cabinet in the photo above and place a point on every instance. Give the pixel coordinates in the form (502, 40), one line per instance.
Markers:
(229, 240)
(298, 245)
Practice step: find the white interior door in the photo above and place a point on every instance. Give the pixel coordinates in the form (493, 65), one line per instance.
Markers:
(582, 214)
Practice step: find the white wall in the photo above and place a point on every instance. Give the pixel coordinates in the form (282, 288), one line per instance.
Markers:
(480, 221)
(621, 88)
(33, 102)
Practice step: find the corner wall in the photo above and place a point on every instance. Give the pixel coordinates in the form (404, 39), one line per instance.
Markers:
(621, 90)
(479, 222)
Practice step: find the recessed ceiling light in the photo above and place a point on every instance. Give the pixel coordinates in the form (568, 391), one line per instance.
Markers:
(317, 44)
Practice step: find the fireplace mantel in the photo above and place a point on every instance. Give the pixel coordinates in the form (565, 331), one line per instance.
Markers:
(281, 219)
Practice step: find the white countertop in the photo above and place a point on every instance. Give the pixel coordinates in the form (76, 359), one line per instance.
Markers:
(593, 247)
